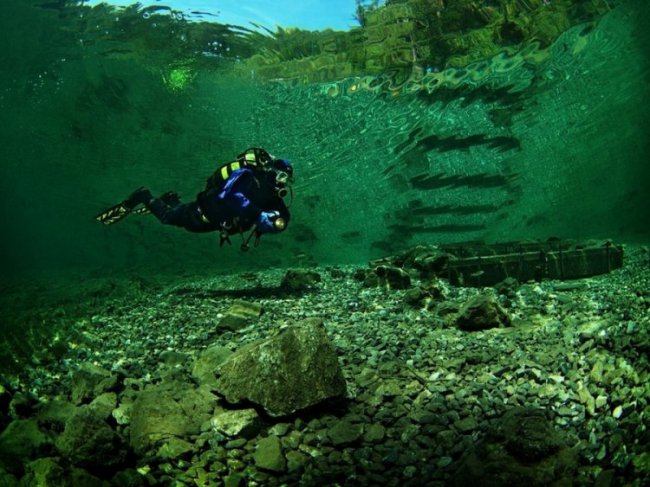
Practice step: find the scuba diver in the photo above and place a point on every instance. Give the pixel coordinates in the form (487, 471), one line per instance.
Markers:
(245, 194)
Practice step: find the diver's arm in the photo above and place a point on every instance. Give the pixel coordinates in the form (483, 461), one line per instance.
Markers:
(284, 214)
(239, 205)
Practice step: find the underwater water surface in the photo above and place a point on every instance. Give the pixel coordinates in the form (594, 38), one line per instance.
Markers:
(424, 123)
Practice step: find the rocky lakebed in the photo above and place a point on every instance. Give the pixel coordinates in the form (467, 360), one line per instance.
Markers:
(331, 376)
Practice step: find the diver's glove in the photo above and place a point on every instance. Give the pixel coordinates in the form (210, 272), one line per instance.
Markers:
(270, 222)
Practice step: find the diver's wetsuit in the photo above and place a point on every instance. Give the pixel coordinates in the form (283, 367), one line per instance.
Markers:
(233, 208)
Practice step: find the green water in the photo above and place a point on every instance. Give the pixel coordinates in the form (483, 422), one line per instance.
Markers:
(443, 141)
(555, 147)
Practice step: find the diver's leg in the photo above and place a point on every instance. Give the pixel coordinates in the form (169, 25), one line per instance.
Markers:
(169, 210)
(169, 215)
(139, 196)
(184, 215)
(166, 213)
(171, 198)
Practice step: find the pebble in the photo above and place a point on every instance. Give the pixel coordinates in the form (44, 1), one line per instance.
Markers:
(375, 433)
(233, 444)
(344, 432)
(466, 425)
(268, 455)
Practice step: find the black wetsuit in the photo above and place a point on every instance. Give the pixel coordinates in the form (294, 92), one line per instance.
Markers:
(233, 208)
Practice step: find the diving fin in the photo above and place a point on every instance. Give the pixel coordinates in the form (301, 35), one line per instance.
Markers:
(116, 213)
(143, 210)
(113, 214)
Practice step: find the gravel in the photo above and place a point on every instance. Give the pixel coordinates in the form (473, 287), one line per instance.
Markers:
(421, 392)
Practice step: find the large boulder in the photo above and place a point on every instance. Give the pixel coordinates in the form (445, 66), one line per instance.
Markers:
(243, 423)
(293, 370)
(299, 280)
(89, 441)
(268, 455)
(44, 472)
(6, 479)
(89, 381)
(393, 277)
(207, 362)
(104, 404)
(21, 441)
(521, 449)
(240, 314)
(166, 410)
(55, 413)
(481, 313)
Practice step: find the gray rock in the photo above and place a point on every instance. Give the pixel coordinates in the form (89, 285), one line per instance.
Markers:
(291, 371)
(128, 478)
(466, 425)
(241, 422)
(20, 441)
(268, 455)
(371, 280)
(233, 480)
(298, 280)
(43, 472)
(521, 448)
(104, 404)
(429, 261)
(235, 444)
(56, 412)
(279, 429)
(6, 479)
(165, 410)
(345, 433)
(88, 441)
(207, 363)
(295, 461)
(393, 277)
(410, 472)
(78, 477)
(642, 464)
(481, 313)
(423, 416)
(605, 478)
(89, 381)
(174, 448)
(292, 440)
(46, 472)
(172, 358)
(122, 413)
(447, 439)
(22, 405)
(240, 314)
(423, 297)
(390, 388)
(375, 433)
(528, 435)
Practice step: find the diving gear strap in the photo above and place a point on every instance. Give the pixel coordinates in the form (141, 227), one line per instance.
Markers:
(244, 247)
